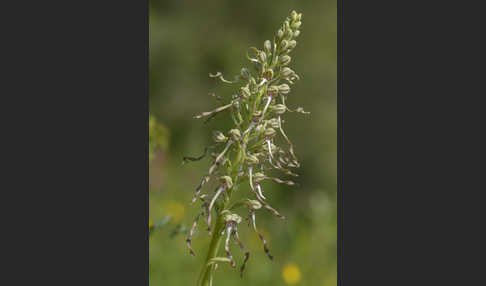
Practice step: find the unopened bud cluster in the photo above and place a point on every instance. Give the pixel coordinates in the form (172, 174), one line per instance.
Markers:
(247, 151)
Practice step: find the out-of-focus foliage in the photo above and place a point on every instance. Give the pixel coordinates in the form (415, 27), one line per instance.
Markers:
(159, 141)
(158, 136)
(189, 40)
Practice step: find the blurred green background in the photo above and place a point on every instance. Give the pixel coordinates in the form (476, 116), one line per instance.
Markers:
(189, 40)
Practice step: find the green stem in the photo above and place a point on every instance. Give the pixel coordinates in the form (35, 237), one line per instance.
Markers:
(207, 271)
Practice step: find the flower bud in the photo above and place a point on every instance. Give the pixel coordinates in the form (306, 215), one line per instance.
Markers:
(272, 90)
(245, 92)
(267, 46)
(279, 108)
(273, 148)
(292, 44)
(219, 137)
(284, 45)
(232, 217)
(252, 159)
(296, 25)
(257, 114)
(260, 155)
(259, 129)
(284, 88)
(273, 123)
(287, 25)
(280, 33)
(227, 180)
(285, 60)
(293, 15)
(235, 134)
(262, 57)
(270, 132)
(288, 34)
(296, 33)
(294, 77)
(268, 74)
(253, 204)
(299, 17)
(245, 73)
(258, 177)
(286, 72)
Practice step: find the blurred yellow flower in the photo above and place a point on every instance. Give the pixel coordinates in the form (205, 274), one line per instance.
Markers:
(175, 210)
(291, 273)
